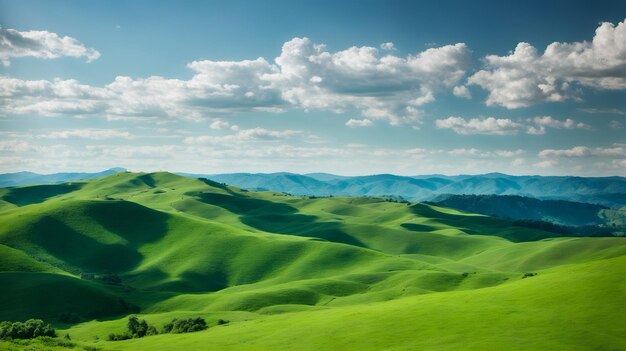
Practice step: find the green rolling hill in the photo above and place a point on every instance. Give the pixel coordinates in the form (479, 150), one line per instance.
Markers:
(289, 272)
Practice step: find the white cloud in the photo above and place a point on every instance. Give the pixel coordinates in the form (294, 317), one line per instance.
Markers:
(616, 124)
(462, 92)
(541, 123)
(303, 76)
(549, 121)
(489, 125)
(93, 134)
(584, 151)
(41, 44)
(353, 123)
(473, 152)
(577, 151)
(526, 77)
(16, 146)
(506, 126)
(546, 164)
(243, 135)
(518, 162)
(387, 46)
(381, 87)
(220, 124)
(49, 98)
(604, 111)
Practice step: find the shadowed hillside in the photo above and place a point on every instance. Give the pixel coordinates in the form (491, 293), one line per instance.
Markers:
(518, 207)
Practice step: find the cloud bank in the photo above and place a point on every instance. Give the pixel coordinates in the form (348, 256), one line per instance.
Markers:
(305, 75)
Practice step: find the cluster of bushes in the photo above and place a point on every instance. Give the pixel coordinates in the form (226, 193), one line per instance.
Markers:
(178, 326)
(138, 328)
(55, 342)
(30, 329)
(395, 198)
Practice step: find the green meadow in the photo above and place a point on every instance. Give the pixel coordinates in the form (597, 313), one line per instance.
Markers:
(296, 273)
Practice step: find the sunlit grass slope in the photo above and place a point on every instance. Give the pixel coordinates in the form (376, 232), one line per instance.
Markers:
(295, 272)
(578, 307)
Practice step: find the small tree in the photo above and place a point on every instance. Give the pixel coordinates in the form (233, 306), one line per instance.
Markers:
(152, 331)
(137, 328)
(132, 325)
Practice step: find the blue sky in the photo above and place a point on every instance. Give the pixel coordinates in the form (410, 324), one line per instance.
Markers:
(346, 87)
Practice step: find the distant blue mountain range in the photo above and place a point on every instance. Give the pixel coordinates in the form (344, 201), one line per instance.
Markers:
(606, 191)
(29, 178)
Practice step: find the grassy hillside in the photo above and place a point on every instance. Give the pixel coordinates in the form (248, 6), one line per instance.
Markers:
(292, 272)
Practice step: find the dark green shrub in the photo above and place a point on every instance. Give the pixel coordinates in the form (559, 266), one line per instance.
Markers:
(137, 328)
(152, 331)
(52, 342)
(118, 337)
(32, 328)
(178, 326)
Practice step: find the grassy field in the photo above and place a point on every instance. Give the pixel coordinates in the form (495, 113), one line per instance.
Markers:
(291, 273)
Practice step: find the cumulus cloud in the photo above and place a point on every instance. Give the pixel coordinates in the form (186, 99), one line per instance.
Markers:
(304, 76)
(16, 146)
(387, 46)
(473, 152)
(243, 135)
(546, 163)
(548, 121)
(604, 111)
(93, 134)
(353, 123)
(526, 76)
(584, 151)
(380, 86)
(462, 92)
(41, 44)
(220, 124)
(49, 98)
(489, 125)
(506, 126)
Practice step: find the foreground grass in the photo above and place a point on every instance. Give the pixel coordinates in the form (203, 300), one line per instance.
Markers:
(579, 307)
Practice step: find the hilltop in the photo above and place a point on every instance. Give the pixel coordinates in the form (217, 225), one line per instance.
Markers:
(288, 271)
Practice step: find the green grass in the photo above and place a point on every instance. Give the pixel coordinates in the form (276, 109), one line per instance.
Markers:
(574, 308)
(295, 273)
